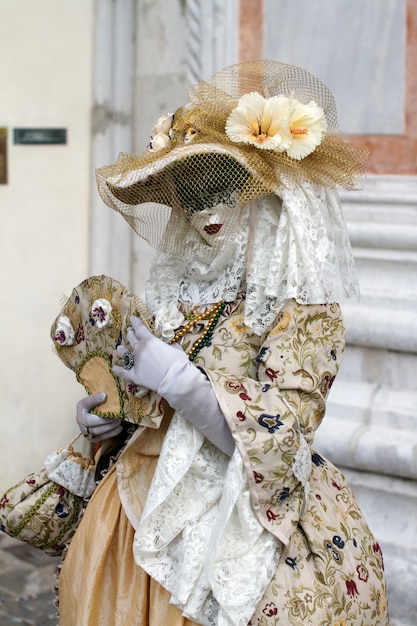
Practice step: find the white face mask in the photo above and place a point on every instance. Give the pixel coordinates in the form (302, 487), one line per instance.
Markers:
(216, 224)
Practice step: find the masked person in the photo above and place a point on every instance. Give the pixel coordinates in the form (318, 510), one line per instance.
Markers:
(218, 511)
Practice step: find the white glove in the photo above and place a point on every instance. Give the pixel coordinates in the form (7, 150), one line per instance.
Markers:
(167, 370)
(92, 426)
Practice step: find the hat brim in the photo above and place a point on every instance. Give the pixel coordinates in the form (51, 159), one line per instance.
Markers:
(191, 177)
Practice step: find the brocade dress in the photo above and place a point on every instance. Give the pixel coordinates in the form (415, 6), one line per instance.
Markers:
(272, 536)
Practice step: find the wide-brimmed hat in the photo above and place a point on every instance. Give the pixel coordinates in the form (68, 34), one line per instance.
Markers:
(249, 130)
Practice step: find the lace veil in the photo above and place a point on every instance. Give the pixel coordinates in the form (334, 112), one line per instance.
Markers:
(291, 245)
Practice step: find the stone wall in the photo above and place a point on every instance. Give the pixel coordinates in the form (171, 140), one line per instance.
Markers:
(46, 81)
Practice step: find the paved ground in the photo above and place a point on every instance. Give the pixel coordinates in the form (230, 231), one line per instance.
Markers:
(26, 581)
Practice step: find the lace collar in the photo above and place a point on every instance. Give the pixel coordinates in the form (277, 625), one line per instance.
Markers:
(291, 245)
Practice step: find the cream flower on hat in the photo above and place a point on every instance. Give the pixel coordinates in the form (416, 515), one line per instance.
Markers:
(307, 126)
(263, 122)
(159, 141)
(161, 132)
(163, 124)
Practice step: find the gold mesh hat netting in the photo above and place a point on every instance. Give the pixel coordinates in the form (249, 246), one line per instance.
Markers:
(200, 167)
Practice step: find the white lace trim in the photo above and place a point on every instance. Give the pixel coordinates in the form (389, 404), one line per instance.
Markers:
(198, 535)
(297, 249)
(302, 252)
(302, 464)
(69, 474)
(190, 281)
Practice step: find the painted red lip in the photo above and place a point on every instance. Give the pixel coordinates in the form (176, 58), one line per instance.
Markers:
(212, 229)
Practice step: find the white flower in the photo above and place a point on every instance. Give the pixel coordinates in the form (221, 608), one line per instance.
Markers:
(261, 122)
(161, 132)
(307, 126)
(167, 320)
(64, 333)
(159, 141)
(163, 124)
(279, 123)
(100, 312)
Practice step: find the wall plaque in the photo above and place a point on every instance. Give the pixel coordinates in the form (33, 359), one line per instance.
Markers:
(39, 136)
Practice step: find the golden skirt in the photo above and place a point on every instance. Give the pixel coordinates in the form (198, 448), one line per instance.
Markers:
(100, 583)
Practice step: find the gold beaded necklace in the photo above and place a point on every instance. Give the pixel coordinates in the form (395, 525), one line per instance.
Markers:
(212, 315)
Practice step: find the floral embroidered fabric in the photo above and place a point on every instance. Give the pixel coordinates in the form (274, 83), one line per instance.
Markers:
(319, 563)
(45, 508)
(93, 321)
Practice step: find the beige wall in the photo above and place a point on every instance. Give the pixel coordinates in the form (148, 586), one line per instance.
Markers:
(45, 78)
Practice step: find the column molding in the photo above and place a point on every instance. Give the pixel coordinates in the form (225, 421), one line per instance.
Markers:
(114, 41)
(212, 43)
(212, 37)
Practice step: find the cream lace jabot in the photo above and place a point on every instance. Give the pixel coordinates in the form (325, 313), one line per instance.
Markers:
(198, 535)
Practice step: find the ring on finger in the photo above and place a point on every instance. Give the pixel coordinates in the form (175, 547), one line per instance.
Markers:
(128, 360)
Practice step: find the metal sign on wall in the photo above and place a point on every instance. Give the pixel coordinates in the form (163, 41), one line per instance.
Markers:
(39, 136)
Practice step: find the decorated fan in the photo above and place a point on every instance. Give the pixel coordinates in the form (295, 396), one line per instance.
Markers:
(92, 323)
